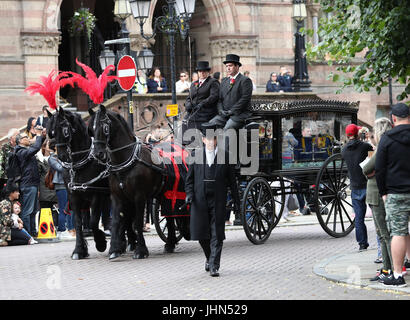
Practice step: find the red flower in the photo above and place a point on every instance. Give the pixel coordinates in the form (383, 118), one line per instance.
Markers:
(196, 84)
(232, 82)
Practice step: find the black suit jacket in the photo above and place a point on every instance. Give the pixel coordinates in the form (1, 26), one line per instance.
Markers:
(236, 97)
(195, 188)
(204, 98)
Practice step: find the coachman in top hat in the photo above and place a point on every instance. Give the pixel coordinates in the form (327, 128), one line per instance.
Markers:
(206, 187)
(234, 96)
(201, 103)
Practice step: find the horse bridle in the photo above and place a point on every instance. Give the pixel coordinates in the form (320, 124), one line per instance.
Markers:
(67, 131)
(71, 166)
(135, 154)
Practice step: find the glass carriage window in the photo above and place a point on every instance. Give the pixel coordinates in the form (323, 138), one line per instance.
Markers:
(265, 140)
(308, 139)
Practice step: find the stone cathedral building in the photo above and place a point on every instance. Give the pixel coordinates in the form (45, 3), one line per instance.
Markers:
(34, 39)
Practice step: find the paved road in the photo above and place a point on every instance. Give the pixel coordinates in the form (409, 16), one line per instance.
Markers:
(282, 268)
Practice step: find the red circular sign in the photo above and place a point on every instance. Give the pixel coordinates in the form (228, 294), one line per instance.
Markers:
(126, 72)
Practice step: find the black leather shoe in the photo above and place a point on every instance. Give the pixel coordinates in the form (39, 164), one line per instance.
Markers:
(214, 272)
(206, 266)
(363, 247)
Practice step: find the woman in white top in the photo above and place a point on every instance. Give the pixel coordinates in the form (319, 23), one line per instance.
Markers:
(183, 84)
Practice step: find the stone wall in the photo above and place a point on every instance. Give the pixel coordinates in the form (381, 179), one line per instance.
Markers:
(261, 32)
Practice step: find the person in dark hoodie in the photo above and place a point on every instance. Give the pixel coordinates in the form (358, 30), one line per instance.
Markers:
(393, 181)
(355, 152)
(30, 176)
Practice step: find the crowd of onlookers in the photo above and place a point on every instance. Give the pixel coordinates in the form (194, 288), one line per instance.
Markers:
(379, 175)
(24, 189)
(156, 82)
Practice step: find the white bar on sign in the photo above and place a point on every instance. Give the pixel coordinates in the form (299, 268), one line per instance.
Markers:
(126, 73)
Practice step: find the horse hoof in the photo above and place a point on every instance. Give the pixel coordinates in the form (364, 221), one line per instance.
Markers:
(140, 256)
(101, 246)
(114, 255)
(75, 256)
(131, 247)
(169, 250)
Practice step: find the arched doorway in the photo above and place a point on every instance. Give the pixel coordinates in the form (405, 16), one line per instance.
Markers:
(186, 52)
(80, 47)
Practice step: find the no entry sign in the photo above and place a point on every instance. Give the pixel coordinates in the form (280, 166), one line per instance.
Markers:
(126, 72)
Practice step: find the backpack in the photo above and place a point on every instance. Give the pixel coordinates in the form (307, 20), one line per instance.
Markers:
(13, 170)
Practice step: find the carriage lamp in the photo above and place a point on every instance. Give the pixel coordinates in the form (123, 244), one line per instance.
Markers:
(300, 80)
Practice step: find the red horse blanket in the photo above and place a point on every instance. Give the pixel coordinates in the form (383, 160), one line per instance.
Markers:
(173, 196)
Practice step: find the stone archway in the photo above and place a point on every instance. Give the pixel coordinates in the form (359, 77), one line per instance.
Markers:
(51, 14)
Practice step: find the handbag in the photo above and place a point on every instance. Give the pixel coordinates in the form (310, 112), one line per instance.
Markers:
(48, 180)
(293, 203)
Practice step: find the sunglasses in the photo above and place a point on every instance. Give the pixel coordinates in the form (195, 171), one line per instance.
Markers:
(182, 75)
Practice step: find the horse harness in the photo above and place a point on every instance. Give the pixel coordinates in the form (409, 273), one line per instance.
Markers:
(72, 166)
(119, 169)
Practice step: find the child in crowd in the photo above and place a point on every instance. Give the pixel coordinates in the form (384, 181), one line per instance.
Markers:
(18, 223)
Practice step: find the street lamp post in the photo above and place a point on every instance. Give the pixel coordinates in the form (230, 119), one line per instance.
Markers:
(177, 15)
(301, 80)
(122, 10)
(106, 58)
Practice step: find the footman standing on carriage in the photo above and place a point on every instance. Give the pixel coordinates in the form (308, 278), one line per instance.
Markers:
(206, 191)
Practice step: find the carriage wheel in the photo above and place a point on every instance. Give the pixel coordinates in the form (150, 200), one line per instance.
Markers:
(333, 204)
(161, 223)
(258, 211)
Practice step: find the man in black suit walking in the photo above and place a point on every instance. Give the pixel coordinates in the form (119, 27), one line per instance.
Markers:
(234, 97)
(206, 191)
(201, 103)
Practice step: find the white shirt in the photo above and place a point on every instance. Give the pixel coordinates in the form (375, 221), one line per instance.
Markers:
(210, 156)
(234, 76)
(181, 86)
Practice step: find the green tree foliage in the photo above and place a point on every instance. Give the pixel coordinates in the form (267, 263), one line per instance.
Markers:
(380, 29)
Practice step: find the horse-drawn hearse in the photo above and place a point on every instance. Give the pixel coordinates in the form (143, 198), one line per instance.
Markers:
(311, 167)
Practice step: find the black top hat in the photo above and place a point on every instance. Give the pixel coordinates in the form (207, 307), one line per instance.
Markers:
(232, 58)
(202, 65)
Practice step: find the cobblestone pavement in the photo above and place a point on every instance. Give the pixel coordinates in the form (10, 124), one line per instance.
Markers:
(282, 268)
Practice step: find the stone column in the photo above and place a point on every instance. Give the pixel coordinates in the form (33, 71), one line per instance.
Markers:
(314, 9)
(245, 47)
(40, 52)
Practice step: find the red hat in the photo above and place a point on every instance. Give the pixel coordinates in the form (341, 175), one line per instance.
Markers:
(352, 130)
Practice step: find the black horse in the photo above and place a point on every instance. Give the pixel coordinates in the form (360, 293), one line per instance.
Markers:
(134, 177)
(86, 179)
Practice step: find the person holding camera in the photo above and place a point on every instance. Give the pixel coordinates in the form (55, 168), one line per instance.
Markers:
(30, 176)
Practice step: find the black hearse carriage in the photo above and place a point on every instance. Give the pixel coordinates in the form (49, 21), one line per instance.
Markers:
(312, 168)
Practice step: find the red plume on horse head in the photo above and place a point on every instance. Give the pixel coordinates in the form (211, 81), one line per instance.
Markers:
(94, 87)
(49, 86)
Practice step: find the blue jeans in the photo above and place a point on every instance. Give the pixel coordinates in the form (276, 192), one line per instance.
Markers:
(28, 212)
(62, 217)
(359, 207)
